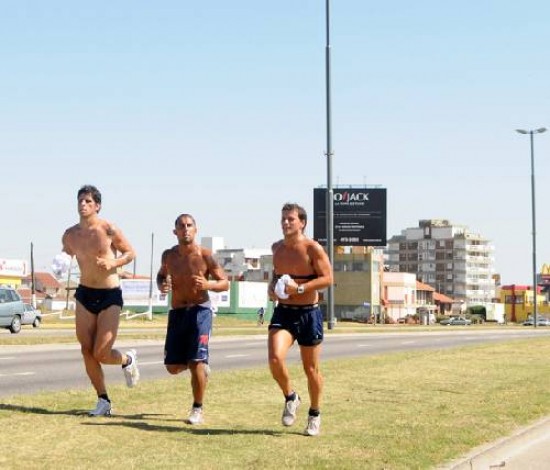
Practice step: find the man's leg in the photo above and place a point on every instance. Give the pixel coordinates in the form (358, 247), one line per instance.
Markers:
(311, 362)
(279, 342)
(198, 380)
(107, 330)
(86, 327)
(175, 369)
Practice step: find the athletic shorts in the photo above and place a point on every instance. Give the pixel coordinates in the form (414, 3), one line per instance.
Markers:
(188, 334)
(304, 322)
(97, 300)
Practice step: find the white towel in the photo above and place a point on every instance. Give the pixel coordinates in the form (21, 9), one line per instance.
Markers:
(280, 286)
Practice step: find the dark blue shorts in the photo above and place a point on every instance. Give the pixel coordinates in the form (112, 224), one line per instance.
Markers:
(187, 335)
(304, 322)
(97, 300)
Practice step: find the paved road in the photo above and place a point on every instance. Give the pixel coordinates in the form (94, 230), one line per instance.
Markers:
(29, 369)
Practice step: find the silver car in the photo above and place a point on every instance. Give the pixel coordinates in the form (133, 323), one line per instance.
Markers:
(11, 309)
(31, 316)
(456, 321)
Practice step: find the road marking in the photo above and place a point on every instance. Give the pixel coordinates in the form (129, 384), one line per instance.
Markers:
(232, 356)
(150, 363)
(6, 358)
(365, 345)
(17, 373)
(408, 342)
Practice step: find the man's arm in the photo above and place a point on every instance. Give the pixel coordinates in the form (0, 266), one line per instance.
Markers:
(219, 283)
(122, 245)
(65, 243)
(162, 275)
(321, 265)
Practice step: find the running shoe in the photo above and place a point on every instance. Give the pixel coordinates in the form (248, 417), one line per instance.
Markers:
(195, 416)
(103, 408)
(313, 426)
(131, 371)
(289, 411)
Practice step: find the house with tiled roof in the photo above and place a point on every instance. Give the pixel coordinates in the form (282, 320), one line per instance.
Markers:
(44, 283)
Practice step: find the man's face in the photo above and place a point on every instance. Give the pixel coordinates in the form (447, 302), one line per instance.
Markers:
(290, 223)
(185, 230)
(87, 206)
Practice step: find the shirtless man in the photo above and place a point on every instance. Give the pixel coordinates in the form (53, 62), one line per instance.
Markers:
(95, 243)
(189, 271)
(300, 267)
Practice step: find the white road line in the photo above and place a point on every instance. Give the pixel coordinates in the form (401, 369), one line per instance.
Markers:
(408, 342)
(17, 373)
(7, 358)
(150, 363)
(365, 345)
(231, 356)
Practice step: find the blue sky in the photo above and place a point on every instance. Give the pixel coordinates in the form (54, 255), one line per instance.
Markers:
(218, 109)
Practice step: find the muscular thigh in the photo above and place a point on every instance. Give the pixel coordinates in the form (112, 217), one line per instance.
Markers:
(86, 326)
(107, 327)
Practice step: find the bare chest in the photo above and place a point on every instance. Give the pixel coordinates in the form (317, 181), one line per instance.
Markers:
(91, 242)
(186, 265)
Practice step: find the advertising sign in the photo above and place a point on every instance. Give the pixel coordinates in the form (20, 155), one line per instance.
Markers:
(135, 292)
(13, 267)
(359, 216)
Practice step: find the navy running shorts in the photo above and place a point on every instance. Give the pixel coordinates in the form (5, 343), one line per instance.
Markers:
(304, 322)
(187, 335)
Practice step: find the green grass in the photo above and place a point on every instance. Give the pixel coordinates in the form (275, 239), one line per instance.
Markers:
(398, 411)
(223, 325)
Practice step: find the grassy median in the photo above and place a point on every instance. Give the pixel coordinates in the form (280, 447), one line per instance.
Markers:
(396, 411)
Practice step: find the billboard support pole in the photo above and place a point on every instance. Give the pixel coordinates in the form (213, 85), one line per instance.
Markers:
(150, 310)
(330, 191)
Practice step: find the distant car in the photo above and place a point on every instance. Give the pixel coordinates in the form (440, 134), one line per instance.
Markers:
(541, 321)
(456, 321)
(11, 309)
(31, 316)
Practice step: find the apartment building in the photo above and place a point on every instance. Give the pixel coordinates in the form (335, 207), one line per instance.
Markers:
(450, 258)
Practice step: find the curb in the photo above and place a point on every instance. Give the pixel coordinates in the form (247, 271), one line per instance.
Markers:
(514, 451)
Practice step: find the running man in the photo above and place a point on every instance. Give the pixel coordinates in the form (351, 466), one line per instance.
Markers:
(189, 271)
(300, 268)
(95, 243)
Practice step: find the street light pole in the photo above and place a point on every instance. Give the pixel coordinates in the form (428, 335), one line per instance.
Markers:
(531, 133)
(330, 191)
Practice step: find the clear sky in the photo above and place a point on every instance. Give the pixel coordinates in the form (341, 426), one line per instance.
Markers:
(218, 109)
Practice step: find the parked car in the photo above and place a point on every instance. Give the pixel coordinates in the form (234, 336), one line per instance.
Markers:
(31, 316)
(456, 321)
(541, 321)
(11, 309)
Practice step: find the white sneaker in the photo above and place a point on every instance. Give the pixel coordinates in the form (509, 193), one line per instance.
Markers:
(289, 411)
(313, 426)
(131, 372)
(103, 408)
(195, 416)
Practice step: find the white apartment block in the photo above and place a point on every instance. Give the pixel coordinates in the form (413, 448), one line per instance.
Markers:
(450, 258)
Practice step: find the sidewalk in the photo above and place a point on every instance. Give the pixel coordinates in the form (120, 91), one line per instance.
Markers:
(526, 449)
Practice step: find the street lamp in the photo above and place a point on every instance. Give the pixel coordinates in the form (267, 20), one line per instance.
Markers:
(533, 216)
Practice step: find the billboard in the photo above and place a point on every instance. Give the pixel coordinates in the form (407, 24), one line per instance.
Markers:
(359, 216)
(135, 292)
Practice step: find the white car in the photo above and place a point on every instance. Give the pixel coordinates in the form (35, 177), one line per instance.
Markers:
(456, 321)
(31, 316)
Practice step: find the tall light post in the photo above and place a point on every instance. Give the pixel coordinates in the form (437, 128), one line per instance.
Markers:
(531, 133)
(330, 190)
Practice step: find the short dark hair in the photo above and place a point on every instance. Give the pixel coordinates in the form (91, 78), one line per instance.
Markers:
(292, 206)
(92, 191)
(184, 215)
